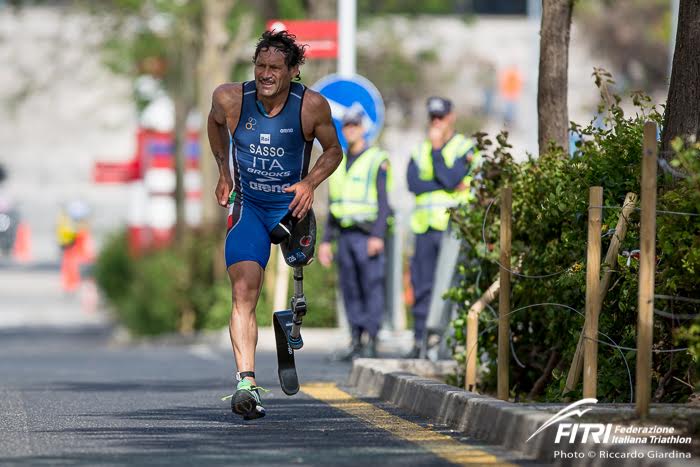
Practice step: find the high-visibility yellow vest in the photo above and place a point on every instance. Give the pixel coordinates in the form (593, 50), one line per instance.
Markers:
(431, 207)
(353, 193)
(66, 231)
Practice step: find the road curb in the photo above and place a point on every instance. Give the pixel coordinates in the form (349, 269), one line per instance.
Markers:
(486, 419)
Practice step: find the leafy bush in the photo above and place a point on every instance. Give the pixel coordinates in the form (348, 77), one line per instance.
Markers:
(177, 290)
(114, 268)
(550, 203)
(319, 288)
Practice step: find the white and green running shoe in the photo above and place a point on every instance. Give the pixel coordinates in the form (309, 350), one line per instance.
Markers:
(246, 400)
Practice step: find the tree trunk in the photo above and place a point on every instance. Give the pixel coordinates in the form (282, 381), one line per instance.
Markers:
(179, 150)
(552, 110)
(218, 55)
(183, 102)
(682, 116)
(322, 9)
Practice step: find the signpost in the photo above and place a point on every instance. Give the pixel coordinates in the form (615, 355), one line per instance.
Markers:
(350, 92)
(344, 93)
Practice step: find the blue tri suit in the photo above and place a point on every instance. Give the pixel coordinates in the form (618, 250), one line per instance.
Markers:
(266, 155)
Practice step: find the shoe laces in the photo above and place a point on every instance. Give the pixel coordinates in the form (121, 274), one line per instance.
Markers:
(252, 388)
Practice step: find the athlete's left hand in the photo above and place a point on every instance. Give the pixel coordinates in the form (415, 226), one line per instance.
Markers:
(303, 198)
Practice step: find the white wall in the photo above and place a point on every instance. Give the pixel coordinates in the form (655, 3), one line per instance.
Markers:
(61, 110)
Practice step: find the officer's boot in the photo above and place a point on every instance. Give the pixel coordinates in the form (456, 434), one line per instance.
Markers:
(414, 352)
(370, 350)
(353, 352)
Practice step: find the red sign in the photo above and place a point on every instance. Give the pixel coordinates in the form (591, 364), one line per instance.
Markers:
(320, 36)
(115, 172)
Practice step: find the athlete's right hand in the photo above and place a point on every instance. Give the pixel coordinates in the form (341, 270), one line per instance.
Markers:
(325, 254)
(223, 190)
(303, 197)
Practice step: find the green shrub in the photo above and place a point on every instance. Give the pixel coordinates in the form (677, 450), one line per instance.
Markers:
(177, 290)
(114, 268)
(320, 285)
(550, 203)
(155, 295)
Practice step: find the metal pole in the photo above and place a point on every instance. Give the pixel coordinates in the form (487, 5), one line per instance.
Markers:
(675, 6)
(590, 330)
(394, 292)
(647, 269)
(347, 25)
(298, 304)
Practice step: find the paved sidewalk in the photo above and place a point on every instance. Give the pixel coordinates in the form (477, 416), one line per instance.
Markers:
(32, 296)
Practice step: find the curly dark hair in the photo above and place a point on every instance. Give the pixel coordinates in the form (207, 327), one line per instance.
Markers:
(285, 43)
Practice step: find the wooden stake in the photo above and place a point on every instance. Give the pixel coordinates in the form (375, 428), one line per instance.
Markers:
(281, 299)
(647, 269)
(472, 333)
(471, 349)
(270, 276)
(504, 295)
(590, 345)
(610, 263)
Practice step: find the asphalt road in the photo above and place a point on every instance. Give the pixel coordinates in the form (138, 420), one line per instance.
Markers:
(71, 396)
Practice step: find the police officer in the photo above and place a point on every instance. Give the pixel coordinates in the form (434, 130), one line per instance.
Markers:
(359, 212)
(439, 174)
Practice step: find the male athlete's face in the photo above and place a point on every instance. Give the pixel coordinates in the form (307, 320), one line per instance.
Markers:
(272, 76)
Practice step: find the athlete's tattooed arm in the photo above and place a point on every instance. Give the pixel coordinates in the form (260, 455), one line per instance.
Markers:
(317, 123)
(225, 109)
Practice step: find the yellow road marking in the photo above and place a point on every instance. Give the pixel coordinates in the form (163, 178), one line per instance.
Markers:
(441, 445)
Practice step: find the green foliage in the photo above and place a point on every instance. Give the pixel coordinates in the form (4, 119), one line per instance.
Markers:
(114, 268)
(550, 202)
(291, 9)
(161, 38)
(160, 291)
(407, 6)
(320, 285)
(155, 296)
(153, 293)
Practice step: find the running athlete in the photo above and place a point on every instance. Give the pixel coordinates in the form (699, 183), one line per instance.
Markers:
(261, 133)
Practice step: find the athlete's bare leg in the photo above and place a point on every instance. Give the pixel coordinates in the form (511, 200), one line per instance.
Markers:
(246, 279)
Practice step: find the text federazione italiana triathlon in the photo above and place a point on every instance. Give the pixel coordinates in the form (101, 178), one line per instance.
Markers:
(618, 434)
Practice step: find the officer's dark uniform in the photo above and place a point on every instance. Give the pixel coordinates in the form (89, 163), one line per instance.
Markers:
(359, 209)
(433, 175)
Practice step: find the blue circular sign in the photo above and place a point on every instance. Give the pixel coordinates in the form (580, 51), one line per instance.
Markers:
(346, 93)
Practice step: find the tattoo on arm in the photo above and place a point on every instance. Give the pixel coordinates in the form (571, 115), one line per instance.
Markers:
(219, 141)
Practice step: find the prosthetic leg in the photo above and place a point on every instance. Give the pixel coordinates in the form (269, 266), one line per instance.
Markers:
(297, 241)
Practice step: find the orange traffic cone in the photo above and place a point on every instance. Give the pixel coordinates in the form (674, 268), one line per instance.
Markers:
(22, 250)
(70, 269)
(85, 246)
